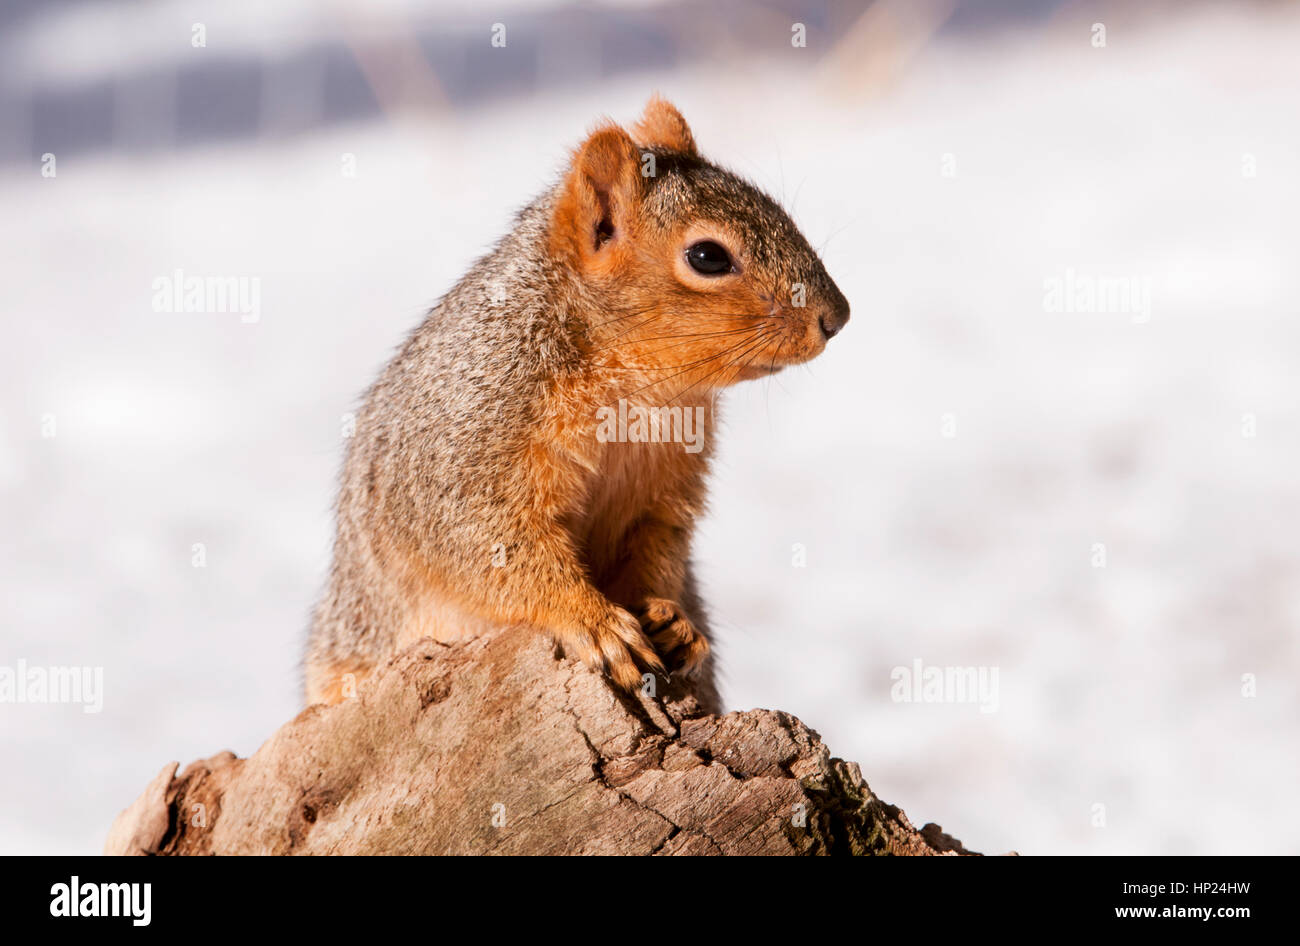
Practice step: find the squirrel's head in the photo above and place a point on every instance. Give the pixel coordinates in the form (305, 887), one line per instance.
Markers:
(688, 271)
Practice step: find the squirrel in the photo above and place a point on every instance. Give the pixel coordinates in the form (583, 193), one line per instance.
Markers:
(524, 458)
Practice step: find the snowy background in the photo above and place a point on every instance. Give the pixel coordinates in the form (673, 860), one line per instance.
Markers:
(949, 465)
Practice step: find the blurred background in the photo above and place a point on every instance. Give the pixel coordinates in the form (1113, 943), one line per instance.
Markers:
(1098, 501)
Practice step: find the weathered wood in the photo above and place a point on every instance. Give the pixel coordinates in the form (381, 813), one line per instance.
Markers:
(501, 746)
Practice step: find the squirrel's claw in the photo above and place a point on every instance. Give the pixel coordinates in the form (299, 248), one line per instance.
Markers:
(684, 648)
(618, 647)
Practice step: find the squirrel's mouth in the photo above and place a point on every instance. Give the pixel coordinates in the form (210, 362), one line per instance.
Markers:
(767, 370)
(764, 370)
(781, 353)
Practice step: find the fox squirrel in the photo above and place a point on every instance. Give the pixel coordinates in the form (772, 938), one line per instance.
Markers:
(510, 467)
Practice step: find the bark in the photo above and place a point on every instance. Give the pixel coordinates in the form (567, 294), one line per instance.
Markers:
(502, 746)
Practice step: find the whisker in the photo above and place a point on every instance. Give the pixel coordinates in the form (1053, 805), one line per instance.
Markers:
(652, 318)
(722, 354)
(689, 336)
(691, 364)
(767, 395)
(751, 351)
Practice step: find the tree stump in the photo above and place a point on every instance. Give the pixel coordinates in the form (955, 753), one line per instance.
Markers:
(500, 745)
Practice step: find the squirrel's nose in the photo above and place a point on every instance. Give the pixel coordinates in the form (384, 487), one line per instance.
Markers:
(834, 318)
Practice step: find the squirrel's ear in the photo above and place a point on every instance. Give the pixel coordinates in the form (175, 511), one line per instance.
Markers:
(662, 126)
(600, 196)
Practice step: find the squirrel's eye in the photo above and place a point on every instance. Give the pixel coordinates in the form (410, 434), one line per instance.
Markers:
(708, 258)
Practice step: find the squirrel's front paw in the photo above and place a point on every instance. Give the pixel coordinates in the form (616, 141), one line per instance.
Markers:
(683, 647)
(618, 646)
